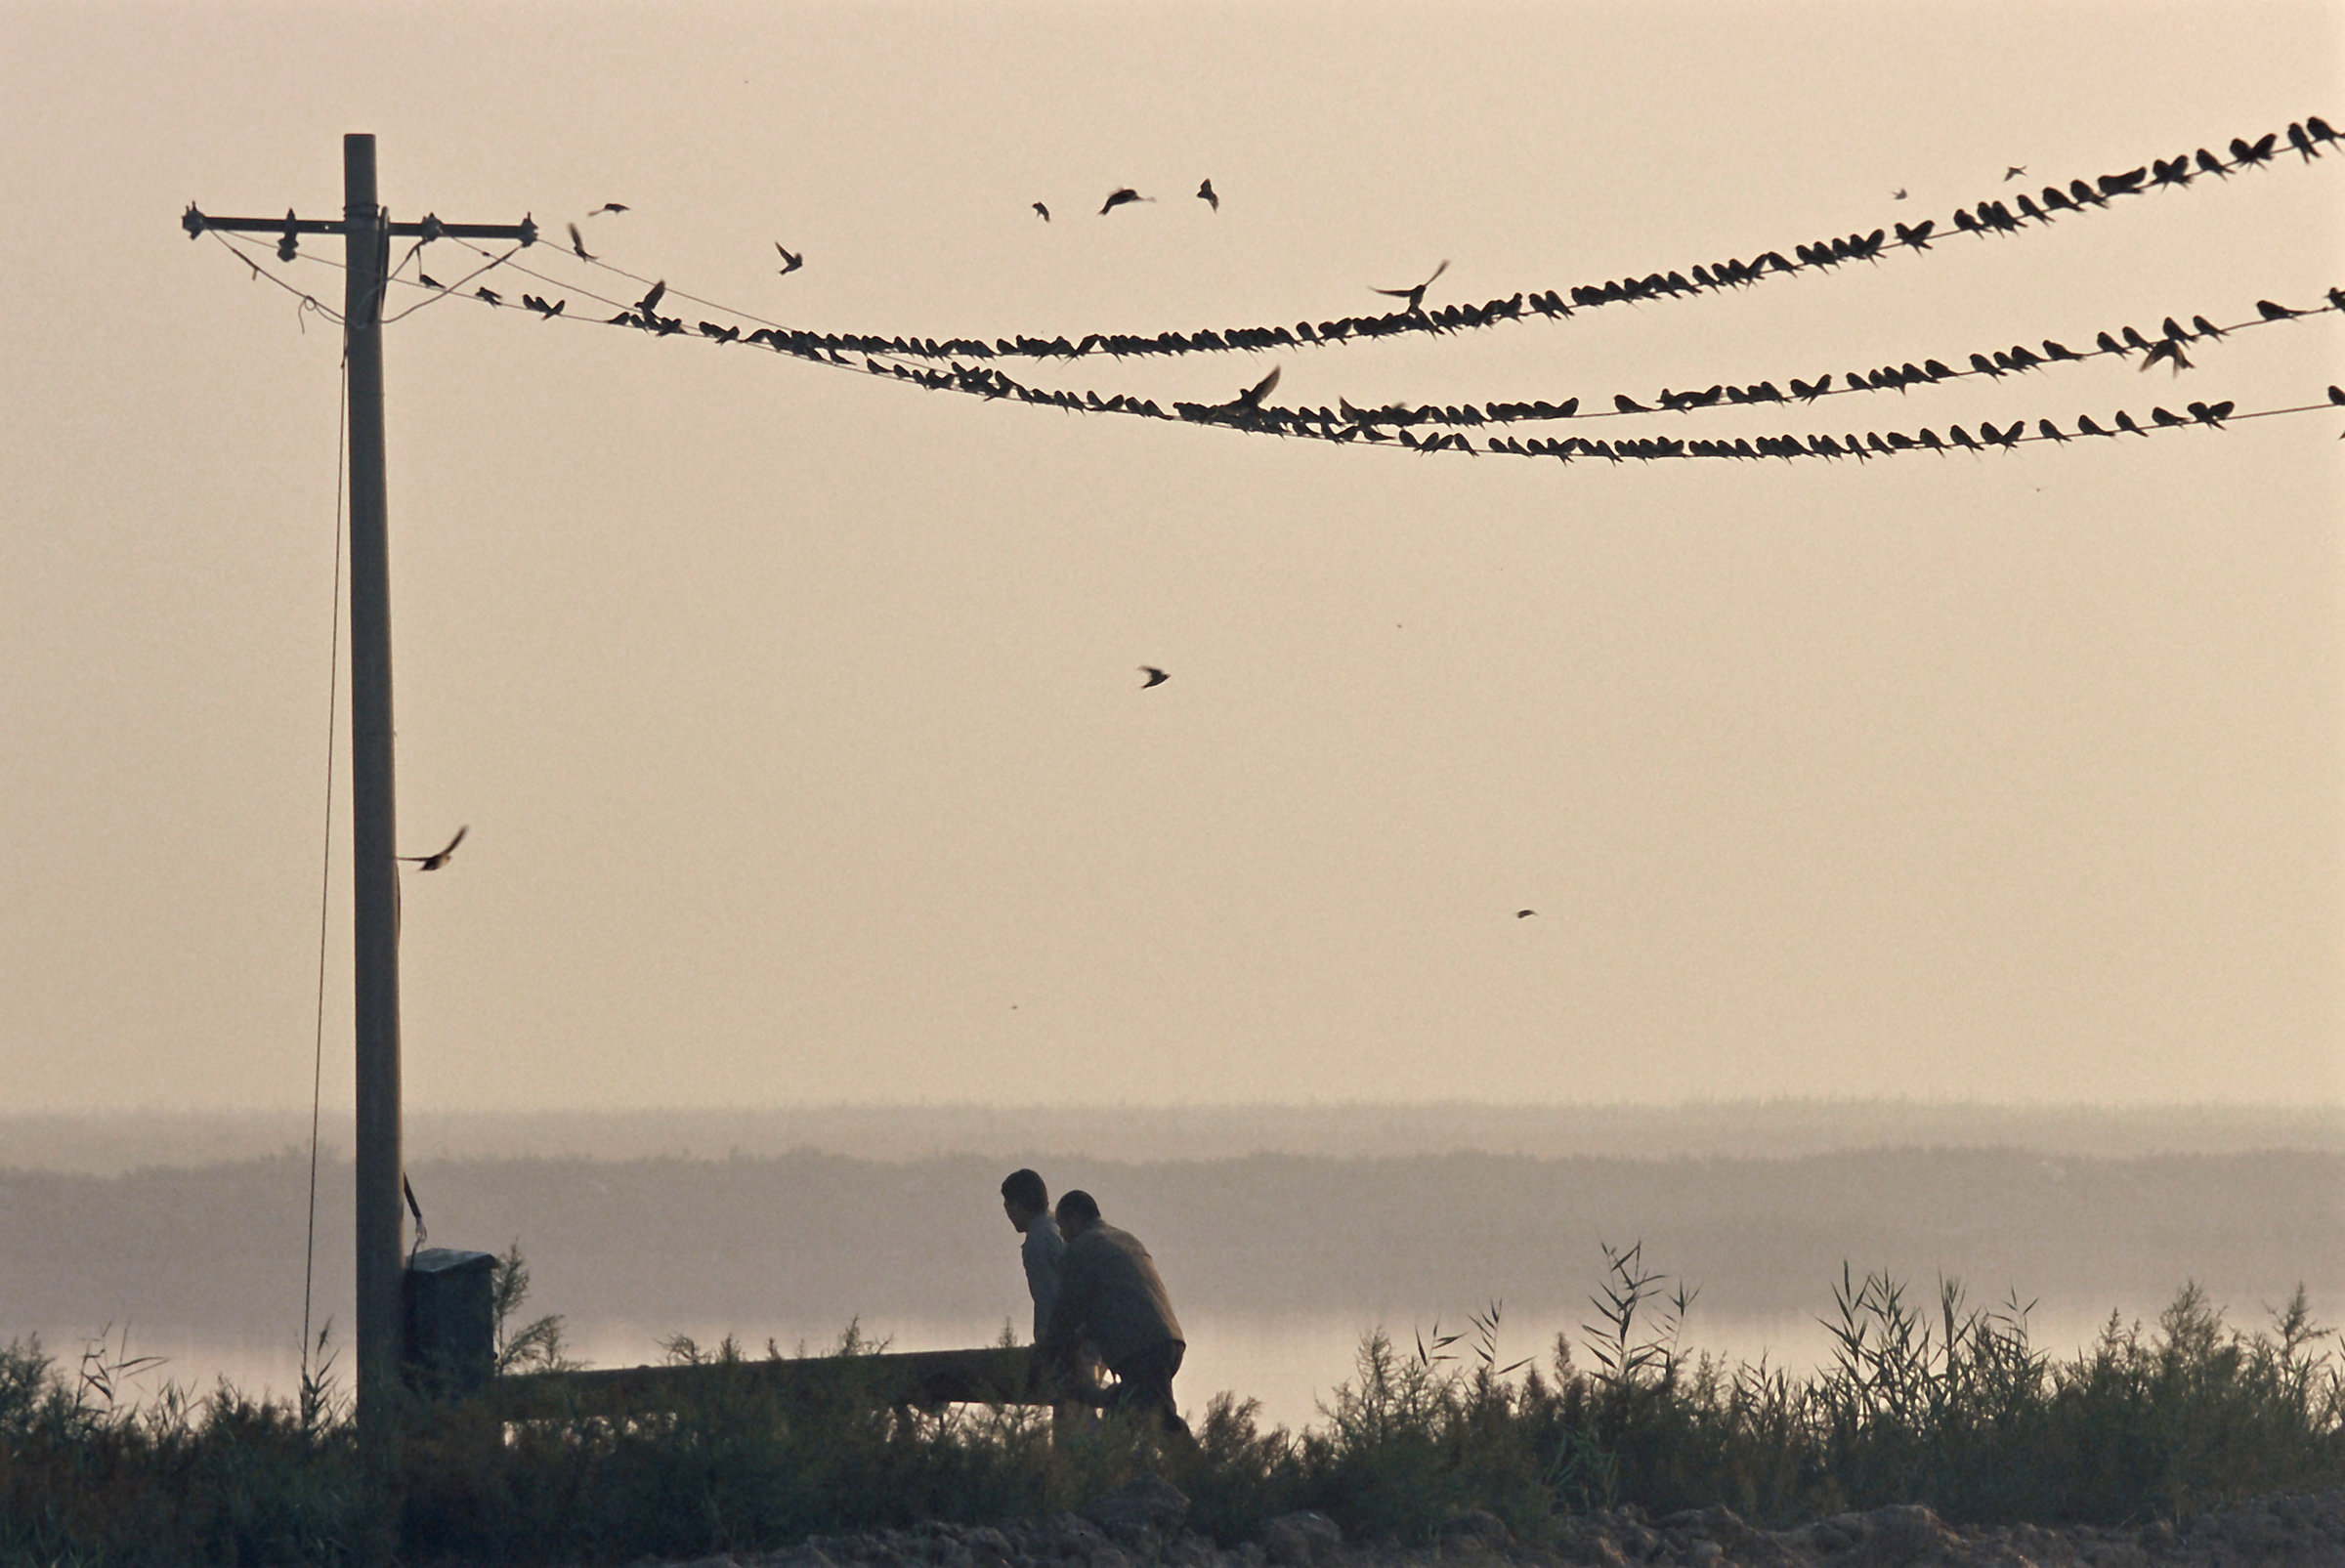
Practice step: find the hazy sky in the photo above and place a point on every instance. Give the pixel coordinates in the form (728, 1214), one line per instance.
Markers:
(796, 716)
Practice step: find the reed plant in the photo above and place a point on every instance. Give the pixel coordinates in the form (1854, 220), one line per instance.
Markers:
(1940, 1403)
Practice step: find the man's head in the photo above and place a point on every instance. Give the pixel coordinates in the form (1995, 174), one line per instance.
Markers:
(1024, 1199)
(1077, 1211)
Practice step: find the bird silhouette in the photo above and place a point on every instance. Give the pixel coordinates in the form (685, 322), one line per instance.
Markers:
(1252, 396)
(790, 263)
(432, 863)
(2168, 350)
(2014, 171)
(1045, 211)
(651, 300)
(428, 280)
(1525, 914)
(1415, 296)
(490, 294)
(1117, 198)
(1204, 194)
(1156, 677)
(2263, 308)
(577, 242)
(1897, 195)
(2125, 422)
(608, 206)
(2084, 422)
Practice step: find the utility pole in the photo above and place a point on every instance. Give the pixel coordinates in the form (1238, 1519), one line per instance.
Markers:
(367, 233)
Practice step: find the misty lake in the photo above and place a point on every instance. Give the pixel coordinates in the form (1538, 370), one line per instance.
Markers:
(1291, 1364)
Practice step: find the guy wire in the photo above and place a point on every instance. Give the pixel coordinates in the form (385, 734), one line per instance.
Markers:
(333, 692)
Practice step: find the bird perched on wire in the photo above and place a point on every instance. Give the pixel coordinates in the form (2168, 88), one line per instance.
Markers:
(1204, 194)
(1415, 296)
(432, 863)
(1045, 211)
(1156, 677)
(577, 242)
(790, 263)
(1122, 197)
(489, 294)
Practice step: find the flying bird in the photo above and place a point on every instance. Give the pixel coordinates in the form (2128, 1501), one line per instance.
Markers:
(490, 295)
(790, 263)
(577, 242)
(1045, 211)
(607, 206)
(1415, 296)
(1117, 198)
(651, 301)
(2014, 171)
(1897, 195)
(432, 863)
(1204, 194)
(1156, 677)
(1252, 396)
(1525, 914)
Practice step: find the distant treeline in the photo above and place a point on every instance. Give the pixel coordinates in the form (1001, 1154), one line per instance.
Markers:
(110, 1143)
(816, 1238)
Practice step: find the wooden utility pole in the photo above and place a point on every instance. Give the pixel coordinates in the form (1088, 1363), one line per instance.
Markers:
(367, 233)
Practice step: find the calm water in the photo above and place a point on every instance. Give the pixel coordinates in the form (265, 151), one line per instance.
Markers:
(1291, 1364)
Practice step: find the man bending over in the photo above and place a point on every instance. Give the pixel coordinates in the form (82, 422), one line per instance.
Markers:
(1108, 1292)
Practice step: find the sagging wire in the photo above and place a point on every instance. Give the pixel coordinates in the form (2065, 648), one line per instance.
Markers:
(1250, 411)
(309, 302)
(2307, 137)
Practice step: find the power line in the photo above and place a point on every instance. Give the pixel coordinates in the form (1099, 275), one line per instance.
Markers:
(2308, 137)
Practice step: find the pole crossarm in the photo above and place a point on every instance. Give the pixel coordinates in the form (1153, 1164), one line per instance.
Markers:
(195, 221)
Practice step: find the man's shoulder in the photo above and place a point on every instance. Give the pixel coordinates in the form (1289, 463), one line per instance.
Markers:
(1100, 1237)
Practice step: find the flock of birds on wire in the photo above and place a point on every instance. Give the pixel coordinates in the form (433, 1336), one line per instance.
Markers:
(936, 365)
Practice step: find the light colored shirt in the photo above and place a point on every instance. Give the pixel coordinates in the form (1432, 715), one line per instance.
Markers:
(1041, 1249)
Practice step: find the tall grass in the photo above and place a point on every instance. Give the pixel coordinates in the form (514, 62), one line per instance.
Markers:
(1943, 1404)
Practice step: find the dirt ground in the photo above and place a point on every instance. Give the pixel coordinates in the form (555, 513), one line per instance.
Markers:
(1141, 1526)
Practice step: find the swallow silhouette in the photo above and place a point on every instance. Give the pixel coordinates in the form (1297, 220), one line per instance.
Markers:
(490, 295)
(790, 263)
(1045, 211)
(1415, 296)
(2014, 171)
(577, 242)
(1122, 197)
(1252, 396)
(432, 863)
(1897, 195)
(651, 301)
(1156, 677)
(428, 280)
(607, 206)
(2168, 350)
(1525, 914)
(1204, 194)
(2263, 308)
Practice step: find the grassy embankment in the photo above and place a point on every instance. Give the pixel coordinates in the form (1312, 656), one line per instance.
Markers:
(1950, 1406)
